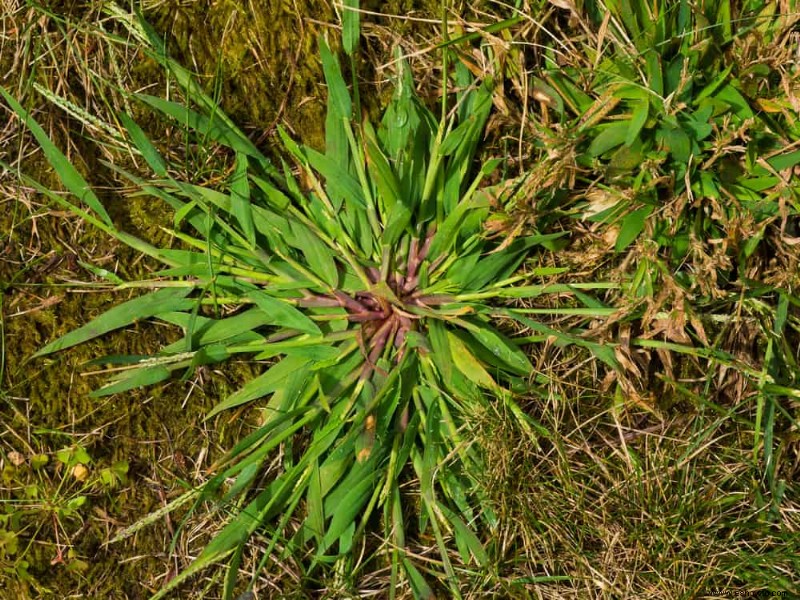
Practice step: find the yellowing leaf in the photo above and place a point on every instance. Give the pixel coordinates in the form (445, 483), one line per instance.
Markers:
(470, 366)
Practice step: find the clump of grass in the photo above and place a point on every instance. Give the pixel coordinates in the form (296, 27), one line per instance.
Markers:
(367, 283)
(664, 140)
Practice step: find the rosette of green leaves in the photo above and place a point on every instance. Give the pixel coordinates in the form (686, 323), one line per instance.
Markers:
(368, 287)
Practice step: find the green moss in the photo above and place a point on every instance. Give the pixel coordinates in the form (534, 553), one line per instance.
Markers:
(263, 65)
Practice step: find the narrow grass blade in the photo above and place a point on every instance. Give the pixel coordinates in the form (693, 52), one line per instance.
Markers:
(350, 26)
(262, 385)
(338, 95)
(348, 508)
(138, 378)
(143, 307)
(501, 346)
(469, 366)
(240, 199)
(72, 180)
(145, 146)
(213, 128)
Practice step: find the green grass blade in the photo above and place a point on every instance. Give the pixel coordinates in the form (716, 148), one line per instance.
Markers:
(240, 199)
(501, 346)
(261, 386)
(632, 225)
(195, 92)
(338, 95)
(350, 26)
(318, 255)
(213, 128)
(141, 377)
(67, 173)
(145, 146)
(143, 307)
(283, 314)
(210, 331)
(470, 367)
(348, 509)
(419, 587)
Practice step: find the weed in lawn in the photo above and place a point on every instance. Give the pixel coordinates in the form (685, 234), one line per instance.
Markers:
(371, 278)
(622, 499)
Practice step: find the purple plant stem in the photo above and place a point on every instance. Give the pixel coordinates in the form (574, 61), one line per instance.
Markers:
(426, 245)
(435, 264)
(349, 303)
(368, 301)
(314, 301)
(431, 300)
(379, 340)
(400, 338)
(398, 282)
(364, 317)
(413, 265)
(377, 345)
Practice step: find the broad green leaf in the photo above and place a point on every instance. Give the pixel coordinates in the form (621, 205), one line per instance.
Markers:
(786, 160)
(466, 540)
(161, 301)
(638, 119)
(399, 220)
(336, 463)
(419, 587)
(315, 519)
(317, 254)
(340, 184)
(275, 197)
(655, 75)
(349, 507)
(675, 140)
(470, 366)
(338, 94)
(381, 173)
(502, 347)
(572, 94)
(67, 173)
(212, 331)
(447, 232)
(610, 136)
(712, 87)
(731, 96)
(283, 314)
(437, 334)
